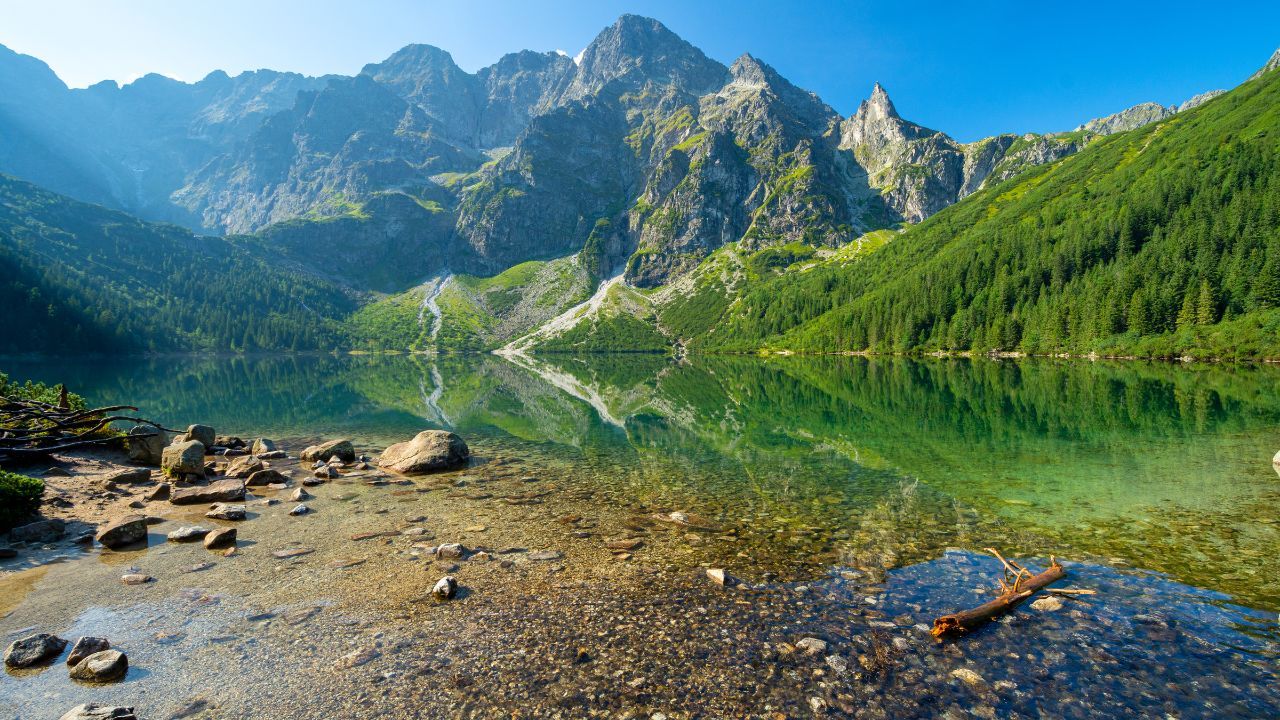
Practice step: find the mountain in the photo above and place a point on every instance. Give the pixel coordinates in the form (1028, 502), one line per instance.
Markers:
(539, 202)
(1160, 241)
(80, 278)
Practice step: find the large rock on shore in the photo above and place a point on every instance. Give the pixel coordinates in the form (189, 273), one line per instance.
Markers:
(202, 434)
(342, 448)
(428, 451)
(94, 711)
(33, 649)
(262, 445)
(101, 667)
(244, 466)
(220, 491)
(147, 444)
(266, 477)
(123, 532)
(183, 458)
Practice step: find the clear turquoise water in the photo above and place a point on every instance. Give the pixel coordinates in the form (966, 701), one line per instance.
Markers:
(813, 462)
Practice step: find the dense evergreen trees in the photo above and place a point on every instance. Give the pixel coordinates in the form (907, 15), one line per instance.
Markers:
(78, 277)
(1158, 241)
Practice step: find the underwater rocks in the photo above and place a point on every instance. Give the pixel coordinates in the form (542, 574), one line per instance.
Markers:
(428, 451)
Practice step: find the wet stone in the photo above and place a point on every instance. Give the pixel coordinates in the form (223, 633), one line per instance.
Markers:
(101, 667)
(33, 649)
(86, 646)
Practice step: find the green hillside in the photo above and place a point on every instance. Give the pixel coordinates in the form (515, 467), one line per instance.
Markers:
(1162, 241)
(81, 278)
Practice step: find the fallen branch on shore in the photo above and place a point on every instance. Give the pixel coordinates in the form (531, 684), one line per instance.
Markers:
(1017, 585)
(30, 428)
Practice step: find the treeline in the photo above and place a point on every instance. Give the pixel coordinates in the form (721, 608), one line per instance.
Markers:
(79, 277)
(1147, 240)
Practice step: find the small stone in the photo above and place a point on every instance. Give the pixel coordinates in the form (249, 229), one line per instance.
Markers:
(300, 510)
(630, 544)
(812, 646)
(33, 649)
(85, 647)
(1048, 603)
(262, 445)
(837, 663)
(357, 658)
(190, 533)
(969, 677)
(94, 711)
(545, 555)
(300, 494)
(104, 666)
(136, 579)
(450, 551)
(719, 577)
(225, 511)
(220, 538)
(123, 532)
(325, 472)
(158, 493)
(292, 553)
(446, 588)
(272, 455)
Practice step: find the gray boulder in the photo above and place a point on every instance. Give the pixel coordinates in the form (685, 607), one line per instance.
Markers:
(183, 458)
(128, 476)
(342, 448)
(33, 649)
(262, 445)
(428, 451)
(228, 490)
(244, 466)
(225, 511)
(147, 444)
(202, 434)
(123, 532)
(190, 533)
(100, 667)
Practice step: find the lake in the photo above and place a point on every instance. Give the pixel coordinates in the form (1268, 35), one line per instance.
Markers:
(1155, 481)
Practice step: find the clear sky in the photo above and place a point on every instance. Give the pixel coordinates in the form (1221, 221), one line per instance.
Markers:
(971, 69)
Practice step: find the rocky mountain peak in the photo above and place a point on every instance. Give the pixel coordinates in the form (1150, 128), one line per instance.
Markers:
(1272, 64)
(877, 106)
(641, 50)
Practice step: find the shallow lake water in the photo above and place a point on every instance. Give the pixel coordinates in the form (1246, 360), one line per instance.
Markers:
(867, 483)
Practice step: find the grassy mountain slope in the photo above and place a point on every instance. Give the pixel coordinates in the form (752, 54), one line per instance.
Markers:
(79, 277)
(1161, 241)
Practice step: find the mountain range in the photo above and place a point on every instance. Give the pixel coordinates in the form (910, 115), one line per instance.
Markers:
(621, 199)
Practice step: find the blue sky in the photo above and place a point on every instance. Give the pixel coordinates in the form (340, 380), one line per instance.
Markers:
(970, 69)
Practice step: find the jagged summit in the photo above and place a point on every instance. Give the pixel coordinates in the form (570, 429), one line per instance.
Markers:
(640, 50)
(1272, 64)
(878, 106)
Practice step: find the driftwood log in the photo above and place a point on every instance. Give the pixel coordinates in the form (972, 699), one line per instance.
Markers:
(30, 428)
(1024, 584)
